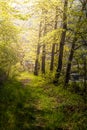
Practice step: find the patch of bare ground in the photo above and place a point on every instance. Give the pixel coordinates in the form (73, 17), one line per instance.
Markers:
(25, 82)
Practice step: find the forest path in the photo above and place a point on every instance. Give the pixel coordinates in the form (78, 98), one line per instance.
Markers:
(48, 105)
(25, 82)
(41, 101)
(38, 105)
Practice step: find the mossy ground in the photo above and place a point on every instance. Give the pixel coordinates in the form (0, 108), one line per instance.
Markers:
(31, 103)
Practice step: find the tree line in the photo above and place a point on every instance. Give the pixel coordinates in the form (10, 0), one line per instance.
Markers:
(60, 44)
(61, 37)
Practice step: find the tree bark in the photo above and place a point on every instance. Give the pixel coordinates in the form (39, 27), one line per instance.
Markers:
(43, 58)
(52, 57)
(68, 69)
(85, 74)
(44, 48)
(62, 42)
(53, 45)
(38, 53)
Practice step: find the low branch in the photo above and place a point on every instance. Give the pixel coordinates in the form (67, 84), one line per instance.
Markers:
(80, 46)
(85, 43)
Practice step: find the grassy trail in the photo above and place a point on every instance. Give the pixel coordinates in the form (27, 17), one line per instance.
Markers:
(30, 103)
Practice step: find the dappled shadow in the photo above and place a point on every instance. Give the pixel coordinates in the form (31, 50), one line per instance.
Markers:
(32, 107)
(18, 108)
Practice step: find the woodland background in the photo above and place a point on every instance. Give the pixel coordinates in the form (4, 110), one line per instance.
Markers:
(43, 64)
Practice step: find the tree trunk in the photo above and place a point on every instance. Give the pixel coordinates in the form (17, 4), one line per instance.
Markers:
(52, 58)
(68, 69)
(38, 53)
(37, 61)
(44, 48)
(85, 74)
(62, 42)
(53, 45)
(43, 59)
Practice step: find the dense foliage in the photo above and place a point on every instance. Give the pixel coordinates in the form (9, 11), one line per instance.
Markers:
(43, 64)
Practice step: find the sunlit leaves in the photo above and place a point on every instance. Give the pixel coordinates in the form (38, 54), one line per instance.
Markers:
(8, 36)
(52, 37)
(22, 16)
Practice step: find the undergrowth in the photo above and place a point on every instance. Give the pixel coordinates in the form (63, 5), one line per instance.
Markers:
(40, 105)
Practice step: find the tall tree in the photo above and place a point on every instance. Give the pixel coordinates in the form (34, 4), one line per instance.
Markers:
(62, 42)
(85, 72)
(38, 52)
(44, 45)
(68, 69)
(8, 37)
(77, 30)
(54, 44)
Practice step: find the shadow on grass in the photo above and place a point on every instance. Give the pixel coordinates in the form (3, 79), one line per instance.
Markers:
(18, 108)
(32, 108)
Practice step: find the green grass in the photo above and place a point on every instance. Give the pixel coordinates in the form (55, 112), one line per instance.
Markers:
(39, 105)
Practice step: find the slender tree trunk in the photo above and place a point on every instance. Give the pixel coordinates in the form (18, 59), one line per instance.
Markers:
(85, 74)
(53, 45)
(43, 58)
(62, 42)
(52, 58)
(44, 49)
(85, 62)
(68, 69)
(37, 61)
(38, 53)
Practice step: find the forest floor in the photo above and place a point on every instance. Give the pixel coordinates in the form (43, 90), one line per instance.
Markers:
(31, 103)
